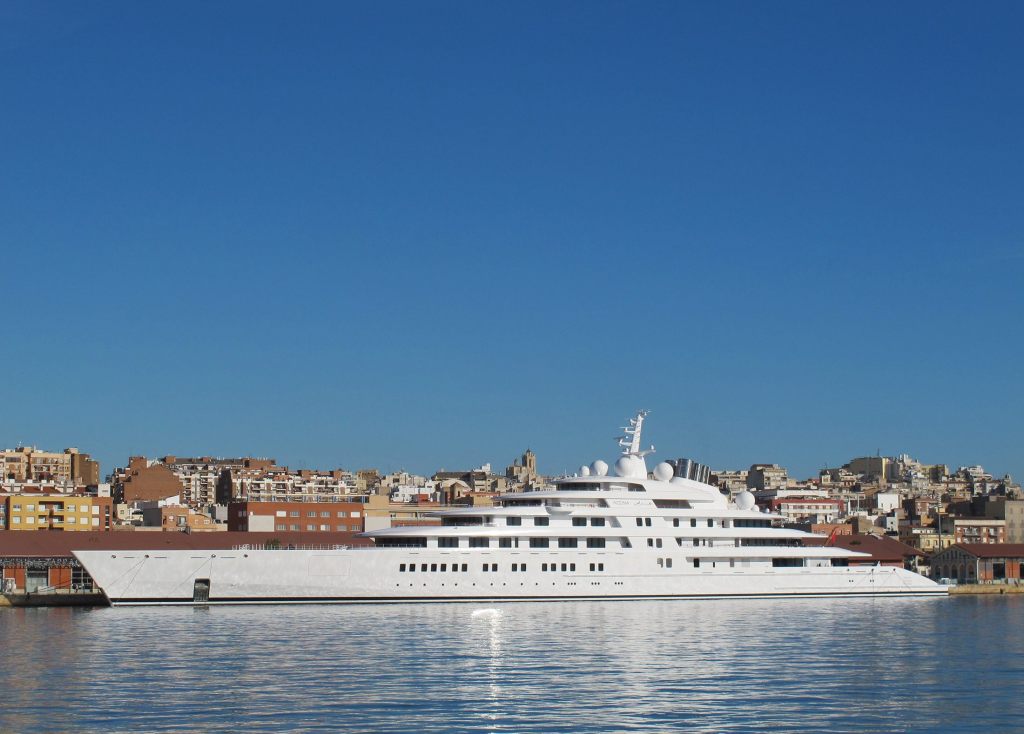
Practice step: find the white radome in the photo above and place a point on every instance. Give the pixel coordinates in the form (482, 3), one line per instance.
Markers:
(584, 471)
(599, 468)
(622, 466)
(744, 500)
(663, 472)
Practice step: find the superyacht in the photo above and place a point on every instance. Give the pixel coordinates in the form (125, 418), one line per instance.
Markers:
(618, 532)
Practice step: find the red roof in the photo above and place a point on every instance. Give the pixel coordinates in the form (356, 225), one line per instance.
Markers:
(992, 550)
(880, 547)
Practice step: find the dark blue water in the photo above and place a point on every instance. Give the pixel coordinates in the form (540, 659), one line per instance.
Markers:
(834, 665)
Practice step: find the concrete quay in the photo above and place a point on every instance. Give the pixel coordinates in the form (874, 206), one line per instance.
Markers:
(987, 589)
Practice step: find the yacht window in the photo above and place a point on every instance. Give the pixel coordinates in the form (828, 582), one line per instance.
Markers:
(579, 486)
(494, 566)
(626, 543)
(711, 523)
(447, 542)
(465, 567)
(675, 522)
(567, 543)
(657, 542)
(639, 522)
(693, 522)
(487, 567)
(579, 522)
(538, 542)
(679, 541)
(696, 563)
(593, 567)
(444, 567)
(668, 563)
(597, 522)
(572, 566)
(412, 567)
(647, 521)
(661, 562)
(522, 566)
(544, 567)
(515, 567)
(513, 521)
(540, 521)
(433, 568)
(565, 567)
(650, 542)
(504, 542)
(595, 542)
(600, 567)
(401, 567)
(787, 562)
(423, 567)
(479, 542)
(554, 567)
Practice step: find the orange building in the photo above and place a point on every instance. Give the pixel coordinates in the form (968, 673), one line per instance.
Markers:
(66, 512)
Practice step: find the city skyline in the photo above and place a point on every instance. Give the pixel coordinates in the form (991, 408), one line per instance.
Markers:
(498, 465)
(415, 237)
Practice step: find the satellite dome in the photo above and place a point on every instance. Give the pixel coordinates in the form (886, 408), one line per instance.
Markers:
(744, 500)
(599, 468)
(663, 472)
(584, 471)
(623, 466)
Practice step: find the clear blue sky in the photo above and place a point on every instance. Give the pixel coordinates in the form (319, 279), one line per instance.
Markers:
(430, 235)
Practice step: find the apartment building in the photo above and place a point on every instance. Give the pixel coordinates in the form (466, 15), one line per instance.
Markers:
(29, 464)
(975, 530)
(336, 516)
(278, 484)
(68, 512)
(766, 477)
(195, 480)
(807, 509)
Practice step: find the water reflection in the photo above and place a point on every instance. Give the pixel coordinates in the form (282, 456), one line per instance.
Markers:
(743, 665)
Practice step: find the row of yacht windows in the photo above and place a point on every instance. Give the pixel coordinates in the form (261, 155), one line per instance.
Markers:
(722, 542)
(490, 567)
(435, 567)
(600, 522)
(532, 542)
(594, 567)
(569, 543)
(597, 487)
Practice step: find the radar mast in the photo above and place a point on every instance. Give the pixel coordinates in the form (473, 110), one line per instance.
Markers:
(630, 438)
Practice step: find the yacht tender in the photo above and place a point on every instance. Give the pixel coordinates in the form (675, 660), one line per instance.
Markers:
(596, 535)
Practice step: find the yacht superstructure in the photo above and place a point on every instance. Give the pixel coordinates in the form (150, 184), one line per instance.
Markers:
(599, 534)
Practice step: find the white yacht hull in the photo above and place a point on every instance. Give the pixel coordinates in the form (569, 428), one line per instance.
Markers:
(374, 576)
